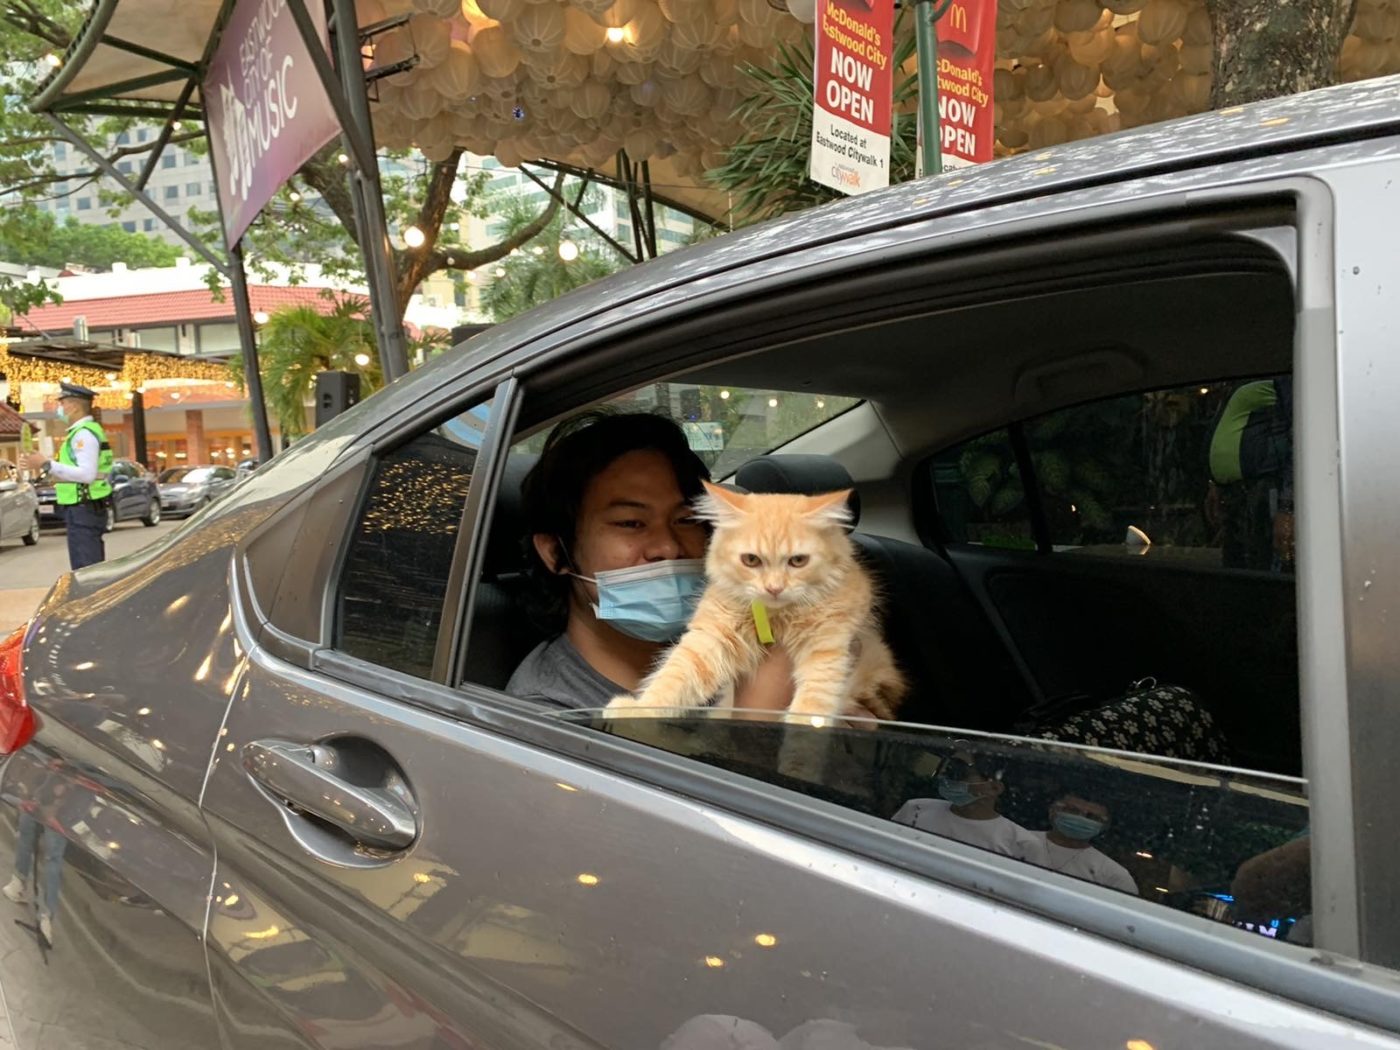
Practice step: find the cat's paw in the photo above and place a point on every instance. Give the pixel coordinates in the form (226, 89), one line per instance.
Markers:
(630, 705)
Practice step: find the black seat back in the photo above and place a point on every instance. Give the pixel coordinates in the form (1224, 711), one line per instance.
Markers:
(501, 632)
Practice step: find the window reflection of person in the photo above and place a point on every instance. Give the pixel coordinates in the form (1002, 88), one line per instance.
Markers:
(611, 491)
(1075, 821)
(966, 809)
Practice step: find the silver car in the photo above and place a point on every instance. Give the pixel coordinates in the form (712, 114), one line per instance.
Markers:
(1122, 418)
(184, 490)
(19, 507)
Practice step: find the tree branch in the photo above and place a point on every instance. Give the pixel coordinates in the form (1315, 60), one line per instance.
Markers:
(455, 259)
(410, 267)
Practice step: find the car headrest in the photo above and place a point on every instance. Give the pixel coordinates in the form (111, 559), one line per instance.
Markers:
(803, 475)
(505, 551)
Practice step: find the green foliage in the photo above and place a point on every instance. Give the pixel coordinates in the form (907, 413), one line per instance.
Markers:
(299, 341)
(31, 237)
(536, 273)
(766, 171)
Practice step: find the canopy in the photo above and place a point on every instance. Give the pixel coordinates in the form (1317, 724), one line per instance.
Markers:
(576, 81)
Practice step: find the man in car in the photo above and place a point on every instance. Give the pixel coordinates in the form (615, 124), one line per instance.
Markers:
(966, 809)
(80, 475)
(1075, 821)
(613, 491)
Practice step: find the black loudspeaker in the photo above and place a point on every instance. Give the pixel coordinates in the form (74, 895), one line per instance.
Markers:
(335, 392)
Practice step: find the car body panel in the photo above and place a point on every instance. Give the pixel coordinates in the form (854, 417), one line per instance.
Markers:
(18, 505)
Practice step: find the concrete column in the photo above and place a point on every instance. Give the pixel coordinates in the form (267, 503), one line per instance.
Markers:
(195, 445)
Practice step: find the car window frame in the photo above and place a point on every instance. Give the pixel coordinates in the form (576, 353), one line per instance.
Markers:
(1172, 935)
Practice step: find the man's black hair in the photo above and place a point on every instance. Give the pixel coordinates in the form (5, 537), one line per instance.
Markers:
(577, 451)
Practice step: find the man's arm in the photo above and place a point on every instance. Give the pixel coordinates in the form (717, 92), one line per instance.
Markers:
(85, 450)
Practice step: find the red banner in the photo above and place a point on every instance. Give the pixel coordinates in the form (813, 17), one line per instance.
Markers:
(967, 44)
(854, 82)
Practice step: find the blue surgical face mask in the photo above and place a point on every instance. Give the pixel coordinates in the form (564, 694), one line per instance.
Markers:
(653, 602)
(1077, 827)
(958, 792)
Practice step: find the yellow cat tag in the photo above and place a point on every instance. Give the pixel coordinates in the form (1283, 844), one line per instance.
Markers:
(761, 624)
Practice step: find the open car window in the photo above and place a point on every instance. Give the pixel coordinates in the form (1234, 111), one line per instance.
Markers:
(1222, 843)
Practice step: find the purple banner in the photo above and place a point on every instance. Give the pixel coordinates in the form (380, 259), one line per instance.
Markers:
(265, 106)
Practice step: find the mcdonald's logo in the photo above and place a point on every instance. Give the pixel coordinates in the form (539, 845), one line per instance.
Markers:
(957, 18)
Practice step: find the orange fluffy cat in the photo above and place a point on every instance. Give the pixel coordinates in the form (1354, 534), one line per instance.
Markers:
(791, 556)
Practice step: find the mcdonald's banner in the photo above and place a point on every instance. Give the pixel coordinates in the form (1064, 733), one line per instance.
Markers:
(967, 44)
(853, 88)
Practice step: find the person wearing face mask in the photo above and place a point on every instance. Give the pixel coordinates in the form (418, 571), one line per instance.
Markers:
(966, 809)
(1076, 821)
(616, 558)
(80, 475)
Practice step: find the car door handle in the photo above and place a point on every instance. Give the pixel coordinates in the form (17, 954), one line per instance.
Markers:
(358, 790)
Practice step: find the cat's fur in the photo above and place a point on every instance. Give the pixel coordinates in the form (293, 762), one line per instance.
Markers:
(821, 610)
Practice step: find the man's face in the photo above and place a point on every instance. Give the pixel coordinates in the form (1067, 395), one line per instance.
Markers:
(72, 408)
(633, 513)
(1081, 807)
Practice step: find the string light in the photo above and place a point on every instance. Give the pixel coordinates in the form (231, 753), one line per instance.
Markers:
(414, 237)
(568, 251)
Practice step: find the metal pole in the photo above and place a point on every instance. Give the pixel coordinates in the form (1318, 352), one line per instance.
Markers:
(247, 339)
(368, 197)
(926, 16)
(138, 428)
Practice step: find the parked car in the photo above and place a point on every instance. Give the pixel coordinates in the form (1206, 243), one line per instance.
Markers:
(19, 507)
(134, 497)
(184, 490)
(283, 736)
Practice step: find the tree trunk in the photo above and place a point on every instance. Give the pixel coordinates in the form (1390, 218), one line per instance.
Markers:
(1270, 48)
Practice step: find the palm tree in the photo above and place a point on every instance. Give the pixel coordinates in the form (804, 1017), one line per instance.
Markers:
(299, 341)
(766, 172)
(536, 272)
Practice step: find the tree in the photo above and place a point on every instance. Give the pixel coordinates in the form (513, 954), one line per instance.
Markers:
(1268, 48)
(528, 277)
(299, 341)
(298, 226)
(36, 238)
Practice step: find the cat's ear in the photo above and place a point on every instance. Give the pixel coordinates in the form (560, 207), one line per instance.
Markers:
(720, 506)
(830, 508)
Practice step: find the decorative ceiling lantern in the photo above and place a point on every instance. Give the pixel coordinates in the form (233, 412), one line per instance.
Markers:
(561, 69)
(1199, 29)
(582, 35)
(1161, 21)
(495, 53)
(632, 72)
(1090, 48)
(644, 33)
(458, 77)
(501, 10)
(676, 59)
(640, 144)
(431, 39)
(539, 28)
(718, 70)
(367, 12)
(508, 154)
(591, 100)
(421, 101)
(1074, 80)
(726, 12)
(603, 65)
(688, 96)
(805, 11)
(698, 31)
(474, 15)
(617, 14)
(392, 48)
(437, 8)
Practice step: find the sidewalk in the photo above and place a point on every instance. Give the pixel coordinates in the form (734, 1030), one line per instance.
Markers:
(17, 606)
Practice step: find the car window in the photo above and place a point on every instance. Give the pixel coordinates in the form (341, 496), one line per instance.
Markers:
(1199, 474)
(396, 569)
(727, 426)
(1224, 844)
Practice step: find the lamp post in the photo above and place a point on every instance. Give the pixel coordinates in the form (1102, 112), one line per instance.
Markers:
(926, 16)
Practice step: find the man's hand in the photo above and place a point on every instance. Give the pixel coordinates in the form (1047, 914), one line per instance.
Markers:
(34, 460)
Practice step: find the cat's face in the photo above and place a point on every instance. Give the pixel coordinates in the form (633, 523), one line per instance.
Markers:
(779, 549)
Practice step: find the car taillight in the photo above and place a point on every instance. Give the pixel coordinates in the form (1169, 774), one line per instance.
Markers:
(16, 716)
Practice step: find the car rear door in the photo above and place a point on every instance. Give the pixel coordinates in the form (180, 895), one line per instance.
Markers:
(9, 503)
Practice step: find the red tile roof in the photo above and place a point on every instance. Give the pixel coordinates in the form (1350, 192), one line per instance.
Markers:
(12, 424)
(165, 308)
